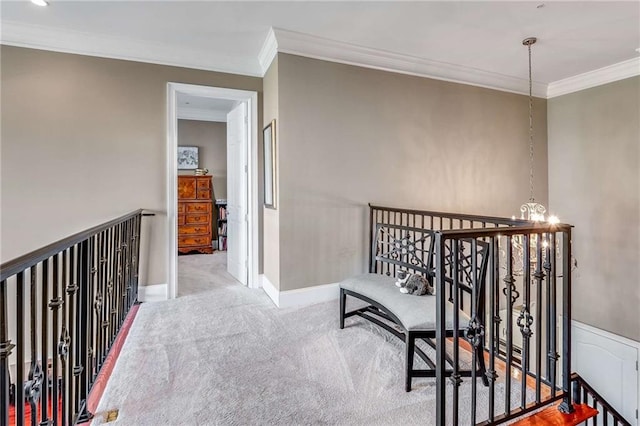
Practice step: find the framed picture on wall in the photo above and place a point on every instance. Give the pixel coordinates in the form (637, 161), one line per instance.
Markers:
(269, 150)
(187, 157)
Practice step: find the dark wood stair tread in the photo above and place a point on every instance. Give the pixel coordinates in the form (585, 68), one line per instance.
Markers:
(551, 416)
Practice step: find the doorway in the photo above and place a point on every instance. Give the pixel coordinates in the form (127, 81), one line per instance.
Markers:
(242, 194)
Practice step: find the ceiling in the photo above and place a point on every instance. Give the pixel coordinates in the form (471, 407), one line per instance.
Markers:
(477, 37)
(191, 107)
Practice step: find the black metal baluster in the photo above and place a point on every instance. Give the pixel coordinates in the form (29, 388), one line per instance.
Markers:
(566, 406)
(44, 315)
(120, 277)
(547, 270)
(55, 304)
(19, 386)
(494, 284)
(524, 319)
(553, 354)
(138, 230)
(5, 351)
(44, 352)
(496, 320)
(508, 292)
(98, 302)
(34, 384)
(440, 331)
(539, 276)
(130, 248)
(475, 327)
(93, 323)
(108, 291)
(455, 378)
(63, 341)
(83, 330)
(104, 312)
(72, 291)
(127, 252)
(125, 275)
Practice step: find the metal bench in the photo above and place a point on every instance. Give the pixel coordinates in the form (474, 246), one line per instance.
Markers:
(408, 317)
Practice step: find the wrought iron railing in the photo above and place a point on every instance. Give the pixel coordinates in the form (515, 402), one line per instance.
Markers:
(520, 314)
(62, 308)
(583, 393)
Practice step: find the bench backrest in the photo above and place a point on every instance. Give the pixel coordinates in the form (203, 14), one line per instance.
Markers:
(399, 247)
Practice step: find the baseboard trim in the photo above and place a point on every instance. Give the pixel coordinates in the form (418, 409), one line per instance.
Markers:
(152, 293)
(309, 295)
(270, 289)
(300, 297)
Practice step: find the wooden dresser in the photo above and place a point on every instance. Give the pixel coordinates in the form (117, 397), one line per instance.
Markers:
(194, 214)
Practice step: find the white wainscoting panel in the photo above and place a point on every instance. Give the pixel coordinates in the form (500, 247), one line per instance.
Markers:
(609, 364)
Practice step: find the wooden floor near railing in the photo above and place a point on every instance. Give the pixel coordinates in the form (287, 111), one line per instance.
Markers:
(516, 372)
(552, 417)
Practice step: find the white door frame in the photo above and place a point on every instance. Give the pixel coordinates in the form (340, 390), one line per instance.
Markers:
(251, 99)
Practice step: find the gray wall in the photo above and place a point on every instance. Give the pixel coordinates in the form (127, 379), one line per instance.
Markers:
(594, 184)
(349, 136)
(83, 141)
(271, 217)
(211, 139)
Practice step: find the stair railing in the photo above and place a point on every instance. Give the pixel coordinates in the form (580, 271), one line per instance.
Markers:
(516, 316)
(583, 393)
(62, 308)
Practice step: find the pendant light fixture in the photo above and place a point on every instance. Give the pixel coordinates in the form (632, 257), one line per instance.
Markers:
(531, 210)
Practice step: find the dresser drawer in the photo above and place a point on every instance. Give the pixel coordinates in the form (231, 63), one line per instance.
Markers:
(181, 219)
(197, 218)
(204, 183)
(186, 187)
(193, 229)
(198, 207)
(180, 208)
(204, 194)
(194, 240)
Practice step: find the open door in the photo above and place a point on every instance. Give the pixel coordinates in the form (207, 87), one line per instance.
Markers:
(237, 194)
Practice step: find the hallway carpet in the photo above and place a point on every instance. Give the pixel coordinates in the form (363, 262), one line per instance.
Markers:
(225, 355)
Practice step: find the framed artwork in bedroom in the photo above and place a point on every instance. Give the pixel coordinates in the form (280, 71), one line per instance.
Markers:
(187, 157)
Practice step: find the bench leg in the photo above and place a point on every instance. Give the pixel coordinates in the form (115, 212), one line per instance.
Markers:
(343, 303)
(410, 346)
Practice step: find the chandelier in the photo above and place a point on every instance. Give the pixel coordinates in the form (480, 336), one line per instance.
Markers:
(531, 210)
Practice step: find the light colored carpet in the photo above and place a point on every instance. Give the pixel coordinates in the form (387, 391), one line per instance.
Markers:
(225, 355)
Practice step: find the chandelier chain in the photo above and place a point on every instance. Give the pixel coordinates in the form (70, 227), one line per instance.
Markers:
(531, 198)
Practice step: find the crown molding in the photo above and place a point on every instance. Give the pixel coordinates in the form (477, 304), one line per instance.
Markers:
(268, 51)
(609, 74)
(200, 114)
(334, 51)
(83, 43)
(279, 40)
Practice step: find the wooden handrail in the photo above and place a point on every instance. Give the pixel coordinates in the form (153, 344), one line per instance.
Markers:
(449, 215)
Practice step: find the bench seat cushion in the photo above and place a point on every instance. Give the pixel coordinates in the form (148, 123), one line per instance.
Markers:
(414, 312)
